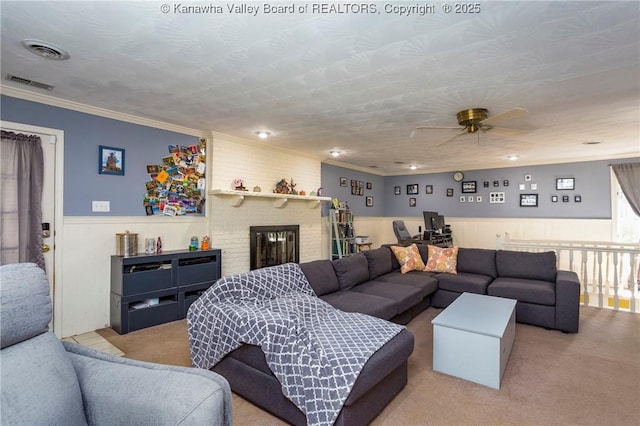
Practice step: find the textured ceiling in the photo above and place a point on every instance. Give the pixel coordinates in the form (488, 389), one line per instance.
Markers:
(357, 82)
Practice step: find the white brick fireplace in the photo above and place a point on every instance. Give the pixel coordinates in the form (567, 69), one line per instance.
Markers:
(260, 165)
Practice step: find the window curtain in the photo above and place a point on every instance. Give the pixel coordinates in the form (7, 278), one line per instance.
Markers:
(628, 176)
(21, 179)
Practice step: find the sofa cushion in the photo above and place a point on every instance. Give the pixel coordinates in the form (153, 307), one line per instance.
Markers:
(464, 282)
(442, 259)
(404, 295)
(379, 261)
(519, 264)
(350, 301)
(422, 280)
(409, 258)
(524, 290)
(321, 276)
(351, 270)
(477, 261)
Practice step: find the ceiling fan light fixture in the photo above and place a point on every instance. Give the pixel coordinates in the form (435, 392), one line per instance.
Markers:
(45, 49)
(335, 153)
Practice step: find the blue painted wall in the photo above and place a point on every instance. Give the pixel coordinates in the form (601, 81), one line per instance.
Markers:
(83, 133)
(592, 184)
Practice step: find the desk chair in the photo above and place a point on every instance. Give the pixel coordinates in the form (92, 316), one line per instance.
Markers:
(402, 234)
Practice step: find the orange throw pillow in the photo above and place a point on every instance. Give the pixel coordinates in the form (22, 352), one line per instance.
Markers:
(442, 259)
(409, 258)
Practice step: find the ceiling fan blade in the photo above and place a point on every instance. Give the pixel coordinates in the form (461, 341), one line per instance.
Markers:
(464, 132)
(437, 127)
(503, 131)
(413, 133)
(505, 115)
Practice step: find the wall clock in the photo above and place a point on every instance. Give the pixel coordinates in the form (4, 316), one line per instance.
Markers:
(458, 176)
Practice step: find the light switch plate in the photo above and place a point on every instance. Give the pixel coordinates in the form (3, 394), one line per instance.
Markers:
(100, 206)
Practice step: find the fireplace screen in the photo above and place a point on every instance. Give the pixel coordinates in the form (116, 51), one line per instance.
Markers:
(274, 245)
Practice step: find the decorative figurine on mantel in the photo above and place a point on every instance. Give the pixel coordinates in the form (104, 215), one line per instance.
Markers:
(282, 187)
(238, 184)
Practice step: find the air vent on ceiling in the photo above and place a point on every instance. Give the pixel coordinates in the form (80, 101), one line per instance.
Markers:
(28, 82)
(45, 49)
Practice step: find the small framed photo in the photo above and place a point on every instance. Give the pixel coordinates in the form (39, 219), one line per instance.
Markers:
(470, 199)
(369, 201)
(485, 183)
(343, 181)
(412, 202)
(449, 192)
(496, 183)
(528, 200)
(563, 184)
(469, 187)
(577, 198)
(527, 178)
(554, 198)
(429, 189)
(412, 189)
(110, 160)
(369, 186)
(396, 190)
(565, 198)
(505, 182)
(463, 198)
(478, 198)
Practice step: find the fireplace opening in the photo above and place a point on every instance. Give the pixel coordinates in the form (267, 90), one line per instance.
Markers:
(274, 245)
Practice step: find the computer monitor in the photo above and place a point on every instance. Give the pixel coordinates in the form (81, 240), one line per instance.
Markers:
(430, 220)
(439, 223)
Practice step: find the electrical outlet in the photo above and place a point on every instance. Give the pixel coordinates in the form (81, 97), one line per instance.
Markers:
(100, 206)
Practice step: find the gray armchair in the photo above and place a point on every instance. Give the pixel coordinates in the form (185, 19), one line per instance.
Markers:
(45, 381)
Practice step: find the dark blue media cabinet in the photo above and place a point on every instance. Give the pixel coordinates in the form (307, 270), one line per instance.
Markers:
(151, 289)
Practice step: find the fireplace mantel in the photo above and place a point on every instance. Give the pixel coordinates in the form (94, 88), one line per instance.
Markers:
(279, 200)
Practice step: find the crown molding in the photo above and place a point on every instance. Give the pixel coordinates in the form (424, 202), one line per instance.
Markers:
(102, 112)
(358, 168)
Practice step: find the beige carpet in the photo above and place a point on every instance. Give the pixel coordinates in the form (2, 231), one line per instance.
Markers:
(589, 378)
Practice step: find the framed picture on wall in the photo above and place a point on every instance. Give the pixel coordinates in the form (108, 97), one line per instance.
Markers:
(412, 189)
(412, 202)
(449, 192)
(565, 184)
(369, 186)
(469, 187)
(110, 160)
(429, 189)
(369, 201)
(396, 190)
(528, 200)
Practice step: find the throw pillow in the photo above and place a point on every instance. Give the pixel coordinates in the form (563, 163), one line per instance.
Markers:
(408, 258)
(442, 259)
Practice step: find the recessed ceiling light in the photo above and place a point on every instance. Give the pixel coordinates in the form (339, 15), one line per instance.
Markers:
(413, 167)
(513, 157)
(335, 153)
(263, 134)
(45, 49)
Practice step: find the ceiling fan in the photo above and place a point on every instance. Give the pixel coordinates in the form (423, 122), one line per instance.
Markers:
(476, 120)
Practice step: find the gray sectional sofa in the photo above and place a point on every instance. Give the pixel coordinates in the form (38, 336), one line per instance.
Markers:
(371, 282)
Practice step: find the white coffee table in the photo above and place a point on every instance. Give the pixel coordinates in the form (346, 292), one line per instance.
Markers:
(473, 336)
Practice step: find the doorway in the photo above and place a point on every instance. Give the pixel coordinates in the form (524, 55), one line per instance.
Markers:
(52, 141)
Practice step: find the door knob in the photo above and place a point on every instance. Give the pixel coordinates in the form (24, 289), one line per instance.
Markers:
(45, 248)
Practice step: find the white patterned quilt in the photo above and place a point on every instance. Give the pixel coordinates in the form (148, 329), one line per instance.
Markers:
(313, 349)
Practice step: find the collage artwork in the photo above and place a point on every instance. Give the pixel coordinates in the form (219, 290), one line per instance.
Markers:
(176, 187)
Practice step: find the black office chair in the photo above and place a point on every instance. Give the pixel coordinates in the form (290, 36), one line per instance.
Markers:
(402, 234)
